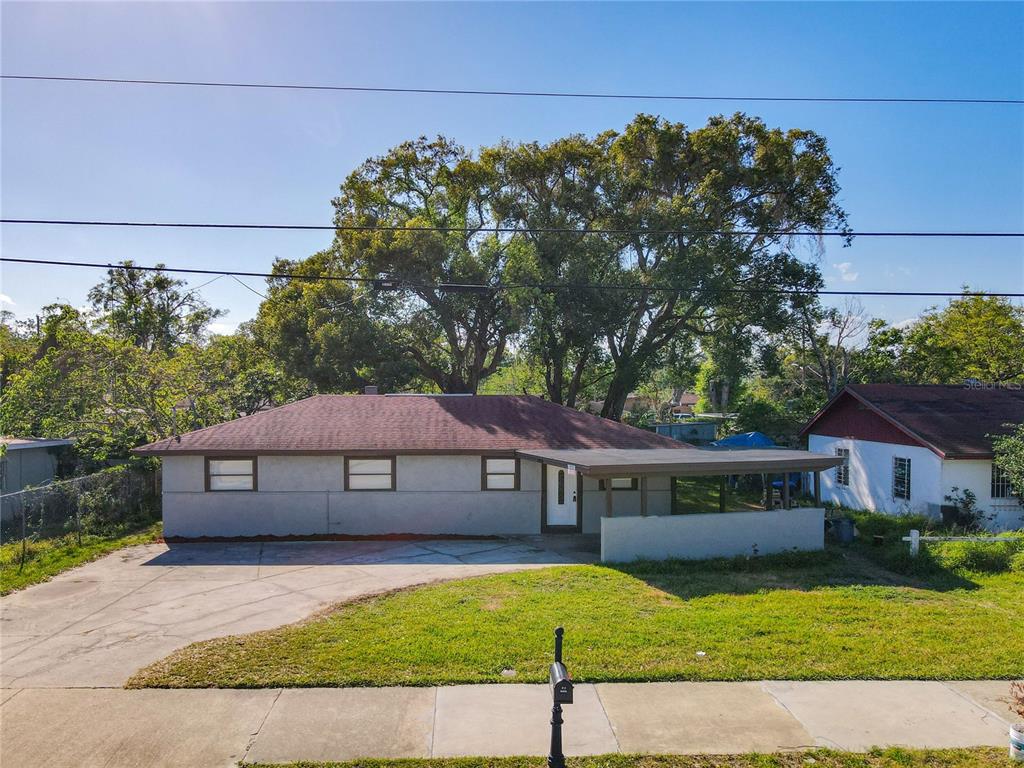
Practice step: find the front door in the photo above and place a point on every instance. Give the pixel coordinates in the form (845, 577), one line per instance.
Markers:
(561, 496)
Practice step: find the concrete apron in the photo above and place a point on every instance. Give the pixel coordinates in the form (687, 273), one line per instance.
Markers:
(93, 727)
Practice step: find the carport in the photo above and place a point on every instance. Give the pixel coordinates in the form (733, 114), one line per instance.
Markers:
(665, 534)
(606, 463)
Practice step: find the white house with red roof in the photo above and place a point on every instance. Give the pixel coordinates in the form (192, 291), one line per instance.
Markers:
(906, 447)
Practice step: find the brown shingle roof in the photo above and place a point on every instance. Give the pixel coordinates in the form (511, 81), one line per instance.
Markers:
(410, 424)
(954, 420)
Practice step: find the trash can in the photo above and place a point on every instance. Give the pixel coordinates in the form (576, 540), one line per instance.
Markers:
(844, 530)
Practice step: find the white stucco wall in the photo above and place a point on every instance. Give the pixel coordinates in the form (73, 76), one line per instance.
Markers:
(304, 495)
(871, 476)
(931, 480)
(1001, 514)
(727, 534)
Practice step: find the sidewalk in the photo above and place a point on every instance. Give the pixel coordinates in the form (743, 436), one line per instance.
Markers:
(84, 727)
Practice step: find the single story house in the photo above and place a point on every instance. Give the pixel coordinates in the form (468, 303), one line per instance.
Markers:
(905, 447)
(24, 462)
(430, 464)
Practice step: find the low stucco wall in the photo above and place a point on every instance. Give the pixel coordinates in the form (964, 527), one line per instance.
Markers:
(304, 495)
(695, 537)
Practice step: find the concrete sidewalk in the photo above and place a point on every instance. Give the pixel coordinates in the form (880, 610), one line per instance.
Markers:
(112, 727)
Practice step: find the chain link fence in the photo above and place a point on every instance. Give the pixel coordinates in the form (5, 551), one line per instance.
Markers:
(108, 504)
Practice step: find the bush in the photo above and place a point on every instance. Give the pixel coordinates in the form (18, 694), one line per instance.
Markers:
(1017, 562)
(981, 556)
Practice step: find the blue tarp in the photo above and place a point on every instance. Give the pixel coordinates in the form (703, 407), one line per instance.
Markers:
(746, 440)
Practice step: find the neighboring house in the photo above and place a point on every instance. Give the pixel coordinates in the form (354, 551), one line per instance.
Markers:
(684, 404)
(907, 446)
(428, 464)
(27, 461)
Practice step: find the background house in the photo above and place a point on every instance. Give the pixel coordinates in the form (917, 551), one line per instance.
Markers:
(907, 446)
(27, 461)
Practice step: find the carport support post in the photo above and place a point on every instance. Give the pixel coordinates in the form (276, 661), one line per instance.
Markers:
(721, 494)
(817, 489)
(643, 495)
(785, 490)
(607, 497)
(766, 481)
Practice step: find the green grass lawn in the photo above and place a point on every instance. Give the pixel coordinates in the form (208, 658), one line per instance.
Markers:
(837, 614)
(700, 494)
(818, 758)
(48, 557)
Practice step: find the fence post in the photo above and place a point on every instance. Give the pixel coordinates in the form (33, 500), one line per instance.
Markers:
(24, 538)
(915, 542)
(78, 518)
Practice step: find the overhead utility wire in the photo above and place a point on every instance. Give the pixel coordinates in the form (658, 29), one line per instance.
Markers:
(389, 283)
(526, 94)
(506, 230)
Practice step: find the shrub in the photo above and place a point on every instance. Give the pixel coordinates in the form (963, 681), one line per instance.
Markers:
(980, 556)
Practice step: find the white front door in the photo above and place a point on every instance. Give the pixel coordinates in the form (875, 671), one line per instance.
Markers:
(561, 496)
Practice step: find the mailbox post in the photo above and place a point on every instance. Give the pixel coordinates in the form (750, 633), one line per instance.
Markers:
(561, 693)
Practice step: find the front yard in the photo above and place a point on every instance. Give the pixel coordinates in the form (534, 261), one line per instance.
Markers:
(862, 613)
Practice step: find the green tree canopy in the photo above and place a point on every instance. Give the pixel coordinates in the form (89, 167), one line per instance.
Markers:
(150, 309)
(973, 337)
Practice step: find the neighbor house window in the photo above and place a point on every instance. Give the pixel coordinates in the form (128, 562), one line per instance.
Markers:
(500, 474)
(1001, 488)
(375, 473)
(619, 484)
(843, 470)
(237, 474)
(901, 478)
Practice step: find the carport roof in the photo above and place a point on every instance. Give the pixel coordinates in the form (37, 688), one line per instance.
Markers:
(683, 461)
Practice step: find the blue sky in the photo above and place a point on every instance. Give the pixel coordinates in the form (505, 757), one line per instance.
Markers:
(130, 152)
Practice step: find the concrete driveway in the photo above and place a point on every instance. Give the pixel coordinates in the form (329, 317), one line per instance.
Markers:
(96, 625)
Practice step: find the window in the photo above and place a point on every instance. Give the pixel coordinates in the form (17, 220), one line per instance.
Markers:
(561, 486)
(500, 474)
(375, 473)
(901, 478)
(237, 474)
(843, 470)
(1001, 488)
(619, 484)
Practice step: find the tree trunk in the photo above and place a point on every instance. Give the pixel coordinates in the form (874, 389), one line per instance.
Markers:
(622, 383)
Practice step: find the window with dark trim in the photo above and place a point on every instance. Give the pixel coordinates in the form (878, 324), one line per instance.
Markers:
(561, 486)
(499, 474)
(843, 470)
(901, 478)
(1001, 487)
(620, 484)
(369, 473)
(237, 473)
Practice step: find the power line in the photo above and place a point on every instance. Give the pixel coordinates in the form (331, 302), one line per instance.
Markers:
(509, 230)
(519, 94)
(396, 284)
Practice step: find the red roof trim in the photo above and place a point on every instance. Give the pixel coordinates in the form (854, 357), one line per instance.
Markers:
(849, 390)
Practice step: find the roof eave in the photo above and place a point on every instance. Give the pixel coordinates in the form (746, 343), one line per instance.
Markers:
(878, 412)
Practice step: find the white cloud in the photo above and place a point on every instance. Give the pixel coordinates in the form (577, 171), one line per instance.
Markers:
(904, 324)
(223, 328)
(845, 272)
(5, 299)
